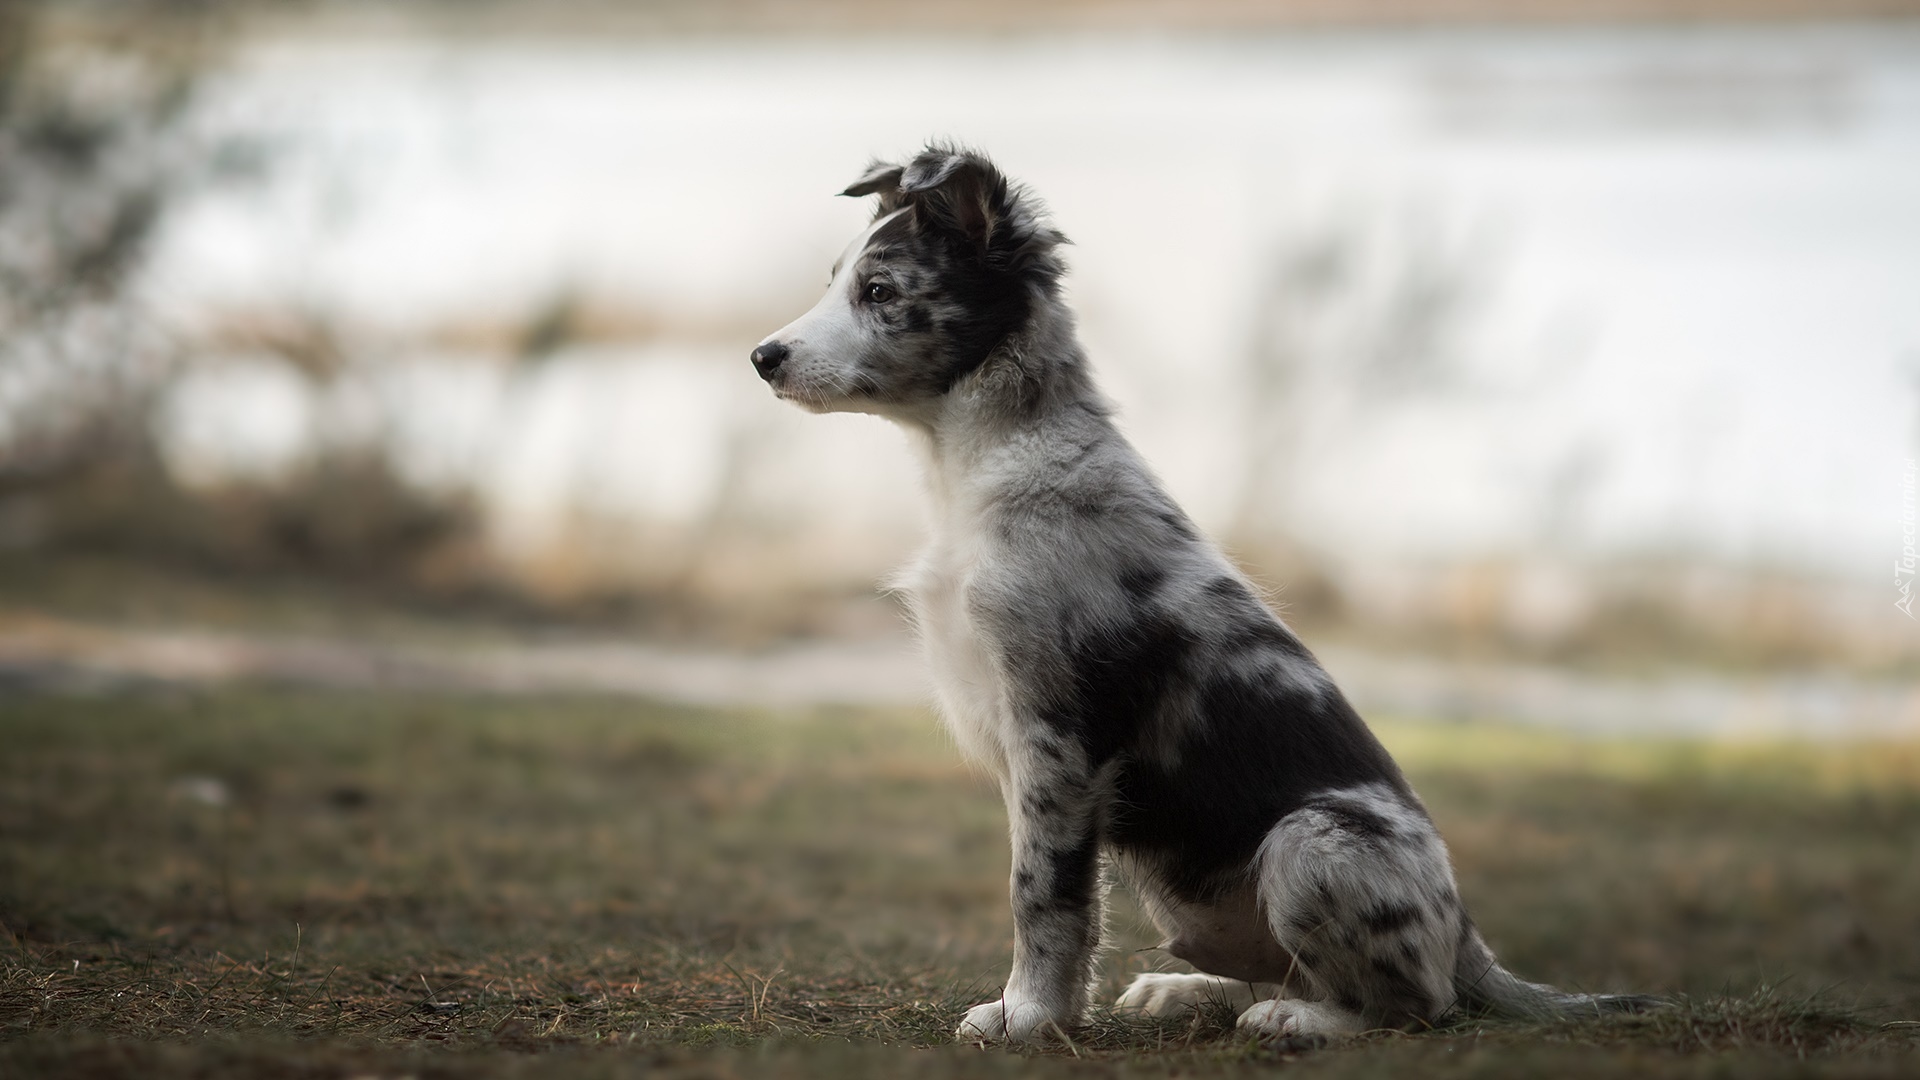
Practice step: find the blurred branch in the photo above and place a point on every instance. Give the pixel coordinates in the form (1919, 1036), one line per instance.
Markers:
(96, 147)
(1355, 313)
(92, 151)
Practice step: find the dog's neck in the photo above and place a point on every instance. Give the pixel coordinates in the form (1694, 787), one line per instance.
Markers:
(1033, 392)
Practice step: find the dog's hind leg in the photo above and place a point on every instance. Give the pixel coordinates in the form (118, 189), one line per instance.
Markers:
(1357, 887)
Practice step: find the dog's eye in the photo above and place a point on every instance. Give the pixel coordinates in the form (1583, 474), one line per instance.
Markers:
(878, 293)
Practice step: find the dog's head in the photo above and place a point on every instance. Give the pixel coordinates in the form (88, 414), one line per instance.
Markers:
(953, 262)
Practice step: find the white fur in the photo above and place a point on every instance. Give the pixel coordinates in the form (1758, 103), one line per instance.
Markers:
(826, 336)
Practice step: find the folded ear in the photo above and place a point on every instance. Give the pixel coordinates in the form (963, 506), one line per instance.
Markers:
(956, 190)
(881, 178)
(960, 192)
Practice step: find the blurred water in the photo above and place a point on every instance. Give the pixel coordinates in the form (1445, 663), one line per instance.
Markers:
(1691, 258)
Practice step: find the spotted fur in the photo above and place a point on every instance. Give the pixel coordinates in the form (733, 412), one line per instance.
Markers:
(1140, 706)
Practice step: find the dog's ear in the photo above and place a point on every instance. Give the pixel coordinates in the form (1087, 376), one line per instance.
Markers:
(961, 193)
(882, 179)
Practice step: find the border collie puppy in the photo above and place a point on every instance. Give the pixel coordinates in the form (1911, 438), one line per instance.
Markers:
(1138, 703)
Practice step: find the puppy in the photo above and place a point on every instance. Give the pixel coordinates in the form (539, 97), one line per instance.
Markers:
(1138, 703)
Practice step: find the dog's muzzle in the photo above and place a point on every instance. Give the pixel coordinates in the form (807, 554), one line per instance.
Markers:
(768, 358)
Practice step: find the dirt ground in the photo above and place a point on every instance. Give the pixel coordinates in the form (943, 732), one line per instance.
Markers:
(231, 881)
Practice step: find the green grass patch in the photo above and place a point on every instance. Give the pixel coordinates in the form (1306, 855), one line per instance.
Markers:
(334, 884)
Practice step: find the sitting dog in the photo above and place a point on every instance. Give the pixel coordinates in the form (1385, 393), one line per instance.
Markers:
(1139, 704)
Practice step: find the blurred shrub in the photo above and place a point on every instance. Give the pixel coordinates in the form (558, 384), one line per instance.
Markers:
(94, 149)
(88, 129)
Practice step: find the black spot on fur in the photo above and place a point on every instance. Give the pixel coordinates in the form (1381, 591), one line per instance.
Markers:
(1224, 588)
(1121, 676)
(915, 319)
(1247, 624)
(1387, 966)
(1354, 819)
(1243, 637)
(1398, 996)
(1175, 520)
(1387, 918)
(1263, 748)
(1141, 582)
(1306, 922)
(1041, 805)
(1072, 878)
(892, 239)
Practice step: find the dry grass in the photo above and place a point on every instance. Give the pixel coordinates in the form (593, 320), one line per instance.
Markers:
(311, 884)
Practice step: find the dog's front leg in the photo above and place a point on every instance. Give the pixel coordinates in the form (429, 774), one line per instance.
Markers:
(1054, 810)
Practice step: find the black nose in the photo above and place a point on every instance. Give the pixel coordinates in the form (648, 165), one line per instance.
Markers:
(768, 358)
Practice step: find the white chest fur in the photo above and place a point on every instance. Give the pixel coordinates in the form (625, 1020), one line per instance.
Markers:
(966, 677)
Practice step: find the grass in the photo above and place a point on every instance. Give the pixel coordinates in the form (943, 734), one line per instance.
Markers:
(252, 882)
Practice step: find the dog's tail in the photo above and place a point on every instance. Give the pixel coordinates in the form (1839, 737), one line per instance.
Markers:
(1483, 988)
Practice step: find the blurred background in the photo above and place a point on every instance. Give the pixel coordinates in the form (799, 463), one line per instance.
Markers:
(1557, 362)
(420, 628)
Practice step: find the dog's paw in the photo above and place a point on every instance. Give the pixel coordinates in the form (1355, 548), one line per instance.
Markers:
(1286, 1018)
(1011, 1019)
(1159, 993)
